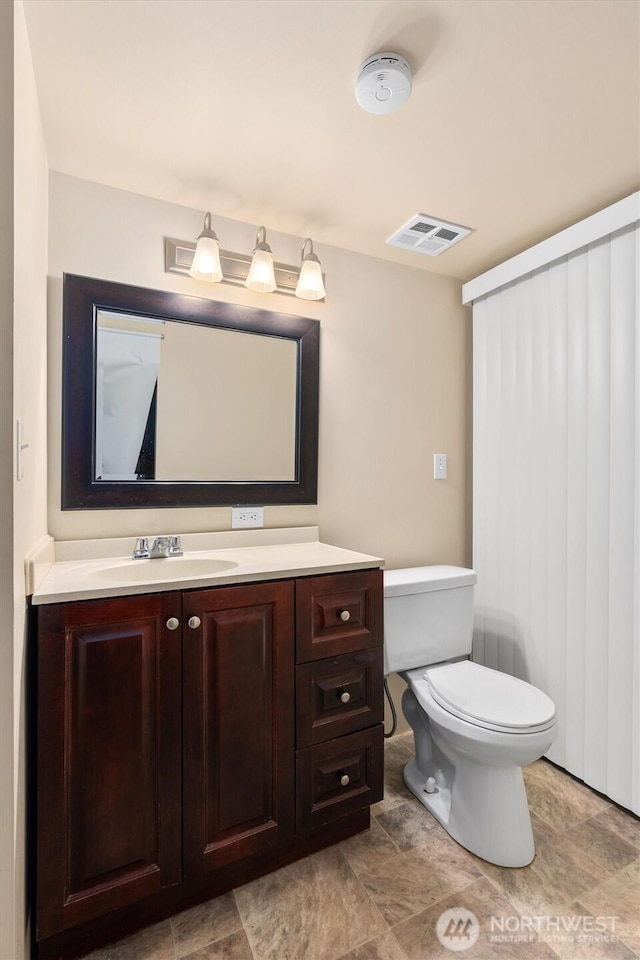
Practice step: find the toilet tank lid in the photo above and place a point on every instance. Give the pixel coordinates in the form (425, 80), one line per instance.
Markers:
(398, 583)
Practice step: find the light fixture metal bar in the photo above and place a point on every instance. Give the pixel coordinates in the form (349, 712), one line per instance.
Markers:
(178, 255)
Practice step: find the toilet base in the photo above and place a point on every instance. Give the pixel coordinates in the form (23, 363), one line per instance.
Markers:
(486, 812)
(479, 795)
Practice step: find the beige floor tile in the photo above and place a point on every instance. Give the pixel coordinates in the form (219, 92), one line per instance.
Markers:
(385, 947)
(619, 896)
(404, 740)
(200, 925)
(396, 757)
(234, 947)
(369, 848)
(623, 822)
(541, 829)
(577, 937)
(390, 802)
(557, 798)
(560, 873)
(604, 847)
(152, 943)
(419, 878)
(297, 881)
(308, 913)
(398, 749)
(417, 936)
(409, 825)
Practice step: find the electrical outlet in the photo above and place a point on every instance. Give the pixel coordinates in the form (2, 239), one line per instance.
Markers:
(247, 517)
(439, 466)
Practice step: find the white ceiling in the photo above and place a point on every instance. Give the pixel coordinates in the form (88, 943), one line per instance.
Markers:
(524, 116)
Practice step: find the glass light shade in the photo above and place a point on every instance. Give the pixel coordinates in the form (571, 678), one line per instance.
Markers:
(310, 283)
(206, 261)
(261, 277)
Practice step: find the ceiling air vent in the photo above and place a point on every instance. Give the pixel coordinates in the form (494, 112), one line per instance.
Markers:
(425, 234)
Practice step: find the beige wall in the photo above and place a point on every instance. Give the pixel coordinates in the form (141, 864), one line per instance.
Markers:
(395, 376)
(23, 185)
(7, 803)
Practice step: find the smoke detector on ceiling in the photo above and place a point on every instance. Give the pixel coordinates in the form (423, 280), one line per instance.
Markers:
(430, 235)
(384, 83)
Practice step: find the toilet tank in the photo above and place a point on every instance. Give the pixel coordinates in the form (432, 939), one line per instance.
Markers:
(428, 616)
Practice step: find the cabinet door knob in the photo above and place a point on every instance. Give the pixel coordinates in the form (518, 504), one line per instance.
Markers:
(344, 780)
(345, 696)
(194, 622)
(344, 615)
(173, 623)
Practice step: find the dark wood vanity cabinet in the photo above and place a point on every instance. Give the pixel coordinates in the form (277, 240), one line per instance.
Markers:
(188, 742)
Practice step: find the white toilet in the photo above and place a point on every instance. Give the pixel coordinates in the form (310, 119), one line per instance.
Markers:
(474, 728)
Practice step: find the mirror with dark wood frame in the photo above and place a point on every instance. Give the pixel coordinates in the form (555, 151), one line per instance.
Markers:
(170, 400)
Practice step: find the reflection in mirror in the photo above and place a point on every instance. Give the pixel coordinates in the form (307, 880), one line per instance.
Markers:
(177, 401)
(171, 400)
(127, 364)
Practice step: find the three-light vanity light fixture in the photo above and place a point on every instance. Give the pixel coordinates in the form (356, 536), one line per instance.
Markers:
(258, 272)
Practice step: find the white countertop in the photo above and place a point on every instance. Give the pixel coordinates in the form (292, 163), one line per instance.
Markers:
(115, 575)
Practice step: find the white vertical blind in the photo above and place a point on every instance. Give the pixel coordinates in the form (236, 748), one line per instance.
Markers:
(557, 499)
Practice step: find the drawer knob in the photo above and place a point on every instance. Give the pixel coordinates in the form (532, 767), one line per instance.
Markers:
(344, 615)
(173, 623)
(194, 622)
(345, 696)
(344, 780)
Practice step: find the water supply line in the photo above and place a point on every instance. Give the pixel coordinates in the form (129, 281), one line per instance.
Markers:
(394, 717)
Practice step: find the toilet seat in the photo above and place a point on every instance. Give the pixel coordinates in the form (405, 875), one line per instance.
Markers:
(488, 698)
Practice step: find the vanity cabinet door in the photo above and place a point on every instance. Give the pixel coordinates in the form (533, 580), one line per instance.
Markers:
(109, 750)
(238, 723)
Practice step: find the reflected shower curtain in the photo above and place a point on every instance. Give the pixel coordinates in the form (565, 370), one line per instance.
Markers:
(127, 365)
(557, 500)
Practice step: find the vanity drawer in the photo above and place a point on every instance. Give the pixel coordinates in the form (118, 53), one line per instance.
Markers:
(338, 613)
(339, 777)
(338, 696)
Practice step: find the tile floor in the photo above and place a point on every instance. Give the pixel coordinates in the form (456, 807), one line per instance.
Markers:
(378, 896)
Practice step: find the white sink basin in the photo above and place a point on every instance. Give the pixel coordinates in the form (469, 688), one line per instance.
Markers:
(171, 568)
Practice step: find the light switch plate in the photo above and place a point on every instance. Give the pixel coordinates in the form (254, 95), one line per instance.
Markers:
(439, 466)
(21, 446)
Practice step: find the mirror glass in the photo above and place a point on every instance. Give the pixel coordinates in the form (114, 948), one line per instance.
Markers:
(180, 401)
(171, 400)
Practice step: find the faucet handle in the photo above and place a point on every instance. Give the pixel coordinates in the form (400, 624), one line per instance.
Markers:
(141, 550)
(175, 547)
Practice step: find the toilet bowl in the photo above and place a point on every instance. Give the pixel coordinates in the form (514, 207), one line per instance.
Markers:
(474, 728)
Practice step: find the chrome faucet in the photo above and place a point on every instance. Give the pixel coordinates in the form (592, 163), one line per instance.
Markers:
(161, 547)
(165, 547)
(141, 550)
